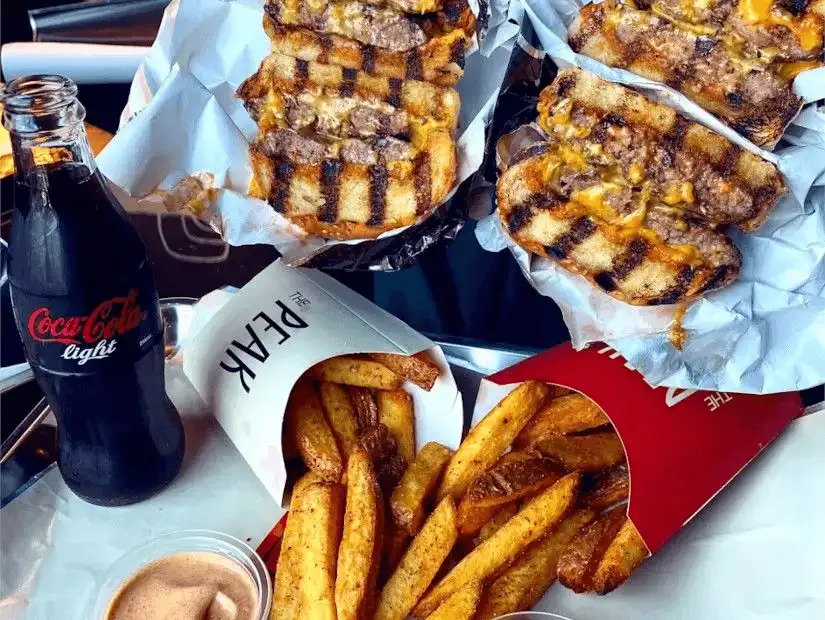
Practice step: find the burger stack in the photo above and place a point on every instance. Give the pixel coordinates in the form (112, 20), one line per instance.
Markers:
(357, 111)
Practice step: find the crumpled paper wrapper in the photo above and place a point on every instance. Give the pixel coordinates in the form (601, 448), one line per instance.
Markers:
(182, 119)
(763, 334)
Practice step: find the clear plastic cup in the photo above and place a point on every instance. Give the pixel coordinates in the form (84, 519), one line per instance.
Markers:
(185, 541)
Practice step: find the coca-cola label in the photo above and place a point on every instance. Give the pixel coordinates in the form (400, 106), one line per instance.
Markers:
(68, 334)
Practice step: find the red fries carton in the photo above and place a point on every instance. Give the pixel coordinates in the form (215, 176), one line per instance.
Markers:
(682, 446)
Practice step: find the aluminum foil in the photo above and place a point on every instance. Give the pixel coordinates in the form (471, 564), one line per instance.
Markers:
(182, 119)
(763, 334)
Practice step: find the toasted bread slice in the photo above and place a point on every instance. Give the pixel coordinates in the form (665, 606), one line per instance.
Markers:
(743, 93)
(440, 60)
(635, 249)
(685, 165)
(433, 106)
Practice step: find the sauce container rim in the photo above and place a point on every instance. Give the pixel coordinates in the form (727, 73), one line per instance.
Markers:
(177, 542)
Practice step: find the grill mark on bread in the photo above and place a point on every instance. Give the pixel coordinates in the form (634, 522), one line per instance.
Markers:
(581, 229)
(421, 178)
(326, 44)
(280, 188)
(378, 194)
(394, 96)
(720, 275)
(414, 69)
(457, 52)
(347, 87)
(330, 186)
(676, 292)
(368, 59)
(633, 257)
(301, 74)
(273, 10)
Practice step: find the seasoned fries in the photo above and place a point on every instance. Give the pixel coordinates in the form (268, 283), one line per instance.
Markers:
(420, 563)
(491, 437)
(395, 411)
(521, 585)
(580, 559)
(417, 483)
(593, 452)
(515, 476)
(462, 605)
(359, 555)
(517, 504)
(353, 370)
(496, 553)
(418, 368)
(311, 433)
(607, 488)
(572, 413)
(305, 583)
(623, 556)
(341, 415)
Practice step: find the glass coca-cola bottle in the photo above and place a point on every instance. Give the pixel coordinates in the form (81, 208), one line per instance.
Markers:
(85, 304)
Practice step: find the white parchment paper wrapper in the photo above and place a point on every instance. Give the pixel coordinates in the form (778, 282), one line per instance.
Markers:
(763, 334)
(276, 327)
(182, 116)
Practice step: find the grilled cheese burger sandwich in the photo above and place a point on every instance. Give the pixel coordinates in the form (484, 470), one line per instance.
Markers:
(631, 195)
(738, 68)
(356, 111)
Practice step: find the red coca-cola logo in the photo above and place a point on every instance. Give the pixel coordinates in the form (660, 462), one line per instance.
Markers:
(111, 318)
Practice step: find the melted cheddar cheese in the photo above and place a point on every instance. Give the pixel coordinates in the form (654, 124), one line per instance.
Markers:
(808, 29)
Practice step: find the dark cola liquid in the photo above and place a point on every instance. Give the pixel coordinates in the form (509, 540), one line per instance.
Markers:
(86, 307)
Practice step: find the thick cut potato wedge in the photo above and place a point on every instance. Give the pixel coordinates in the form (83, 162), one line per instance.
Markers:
(580, 559)
(501, 516)
(462, 605)
(359, 555)
(395, 411)
(623, 556)
(311, 433)
(305, 580)
(488, 440)
(420, 564)
(607, 488)
(573, 413)
(418, 368)
(341, 415)
(417, 484)
(523, 584)
(498, 552)
(515, 476)
(366, 409)
(358, 371)
(593, 452)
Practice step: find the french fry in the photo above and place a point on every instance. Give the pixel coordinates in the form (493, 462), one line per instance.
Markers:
(500, 517)
(607, 488)
(359, 555)
(395, 411)
(305, 582)
(593, 452)
(418, 368)
(311, 433)
(366, 409)
(417, 484)
(488, 440)
(623, 556)
(420, 564)
(495, 555)
(578, 561)
(341, 415)
(461, 605)
(516, 475)
(523, 584)
(354, 370)
(572, 413)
